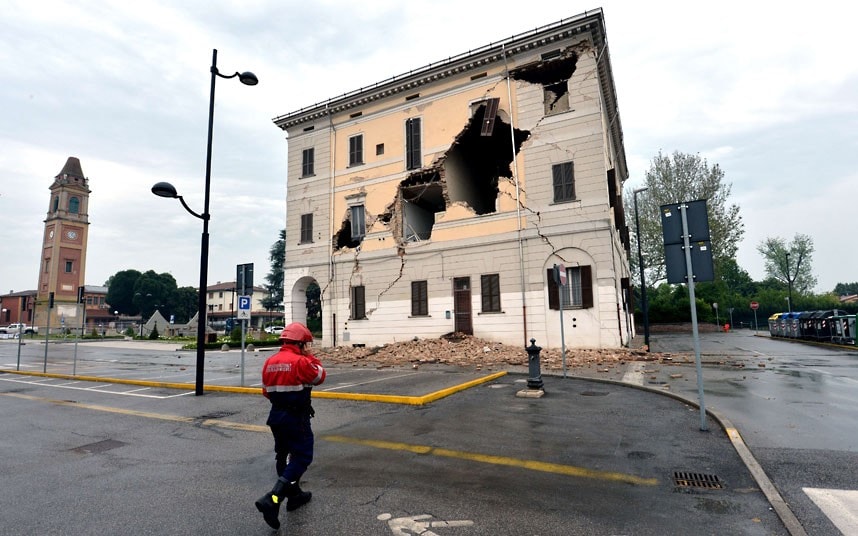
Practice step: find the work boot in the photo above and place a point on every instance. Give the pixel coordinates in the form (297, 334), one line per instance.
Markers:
(269, 504)
(296, 496)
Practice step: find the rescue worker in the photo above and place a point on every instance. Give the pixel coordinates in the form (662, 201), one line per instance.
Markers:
(287, 380)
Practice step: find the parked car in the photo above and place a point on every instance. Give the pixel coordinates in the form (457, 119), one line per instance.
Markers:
(22, 328)
(274, 330)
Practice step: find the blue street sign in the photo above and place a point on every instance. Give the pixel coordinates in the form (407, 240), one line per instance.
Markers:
(244, 307)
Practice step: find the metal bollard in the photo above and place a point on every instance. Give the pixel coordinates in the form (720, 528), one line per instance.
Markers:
(533, 368)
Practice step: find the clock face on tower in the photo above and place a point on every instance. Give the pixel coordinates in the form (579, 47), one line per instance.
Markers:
(71, 235)
(51, 234)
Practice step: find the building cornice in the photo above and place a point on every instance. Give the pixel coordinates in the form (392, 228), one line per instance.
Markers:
(588, 22)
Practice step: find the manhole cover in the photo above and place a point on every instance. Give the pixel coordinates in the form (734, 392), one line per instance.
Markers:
(99, 446)
(594, 393)
(696, 480)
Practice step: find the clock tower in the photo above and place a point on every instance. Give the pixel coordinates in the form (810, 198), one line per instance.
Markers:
(63, 264)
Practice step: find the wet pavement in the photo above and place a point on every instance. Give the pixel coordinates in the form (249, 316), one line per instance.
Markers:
(452, 452)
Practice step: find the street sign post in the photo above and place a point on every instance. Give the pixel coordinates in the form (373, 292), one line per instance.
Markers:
(560, 279)
(755, 306)
(243, 315)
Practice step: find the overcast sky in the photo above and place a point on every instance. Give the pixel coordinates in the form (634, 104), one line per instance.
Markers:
(767, 92)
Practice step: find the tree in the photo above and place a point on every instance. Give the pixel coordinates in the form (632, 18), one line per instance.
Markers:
(120, 291)
(154, 291)
(846, 289)
(674, 179)
(274, 279)
(791, 264)
(183, 304)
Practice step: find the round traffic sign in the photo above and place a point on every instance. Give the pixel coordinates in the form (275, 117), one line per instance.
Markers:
(754, 305)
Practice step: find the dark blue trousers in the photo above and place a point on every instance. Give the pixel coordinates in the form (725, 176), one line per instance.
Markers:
(293, 443)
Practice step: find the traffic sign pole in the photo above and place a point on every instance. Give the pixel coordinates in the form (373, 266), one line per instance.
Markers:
(755, 306)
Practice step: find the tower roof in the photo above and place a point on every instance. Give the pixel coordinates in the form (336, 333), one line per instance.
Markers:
(72, 168)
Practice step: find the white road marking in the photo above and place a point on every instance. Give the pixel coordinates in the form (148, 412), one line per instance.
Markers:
(403, 526)
(840, 505)
(347, 385)
(95, 389)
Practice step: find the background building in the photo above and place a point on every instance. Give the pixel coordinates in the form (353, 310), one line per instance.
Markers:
(440, 200)
(63, 263)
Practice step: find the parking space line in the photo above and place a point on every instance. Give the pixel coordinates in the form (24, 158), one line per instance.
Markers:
(533, 465)
(355, 384)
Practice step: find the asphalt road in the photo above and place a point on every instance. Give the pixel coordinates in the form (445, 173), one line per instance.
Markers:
(588, 458)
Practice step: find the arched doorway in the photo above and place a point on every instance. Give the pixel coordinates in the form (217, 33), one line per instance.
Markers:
(304, 304)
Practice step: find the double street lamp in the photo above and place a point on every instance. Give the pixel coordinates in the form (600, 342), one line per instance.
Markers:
(641, 266)
(165, 189)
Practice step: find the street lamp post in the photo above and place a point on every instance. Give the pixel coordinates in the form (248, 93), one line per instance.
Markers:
(165, 189)
(641, 266)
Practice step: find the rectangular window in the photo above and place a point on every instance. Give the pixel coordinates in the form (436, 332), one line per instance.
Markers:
(564, 182)
(419, 299)
(413, 159)
(356, 150)
(490, 288)
(306, 228)
(220, 294)
(307, 162)
(578, 292)
(211, 295)
(358, 302)
(358, 219)
(379, 149)
(69, 266)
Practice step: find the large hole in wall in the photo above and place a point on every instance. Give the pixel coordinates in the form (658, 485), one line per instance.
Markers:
(475, 162)
(422, 195)
(343, 238)
(553, 75)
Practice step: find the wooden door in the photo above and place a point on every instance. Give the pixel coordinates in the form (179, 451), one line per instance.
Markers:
(462, 305)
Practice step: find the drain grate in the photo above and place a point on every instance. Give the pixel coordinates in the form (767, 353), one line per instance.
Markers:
(594, 393)
(696, 480)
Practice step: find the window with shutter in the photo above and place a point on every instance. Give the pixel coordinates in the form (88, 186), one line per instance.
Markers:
(490, 290)
(306, 228)
(563, 178)
(578, 292)
(419, 299)
(307, 162)
(412, 143)
(356, 150)
(358, 303)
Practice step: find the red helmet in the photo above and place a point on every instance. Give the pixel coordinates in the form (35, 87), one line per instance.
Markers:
(296, 332)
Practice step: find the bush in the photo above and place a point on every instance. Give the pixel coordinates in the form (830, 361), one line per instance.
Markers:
(154, 334)
(235, 334)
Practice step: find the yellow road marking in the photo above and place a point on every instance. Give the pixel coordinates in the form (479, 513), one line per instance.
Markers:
(533, 465)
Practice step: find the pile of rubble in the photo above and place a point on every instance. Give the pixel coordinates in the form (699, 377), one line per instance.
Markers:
(466, 351)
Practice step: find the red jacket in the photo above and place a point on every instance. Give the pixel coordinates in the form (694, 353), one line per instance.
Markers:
(289, 372)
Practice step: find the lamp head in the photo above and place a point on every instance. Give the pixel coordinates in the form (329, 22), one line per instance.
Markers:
(248, 79)
(165, 189)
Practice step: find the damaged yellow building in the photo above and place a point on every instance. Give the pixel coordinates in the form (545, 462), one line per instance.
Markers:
(440, 200)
